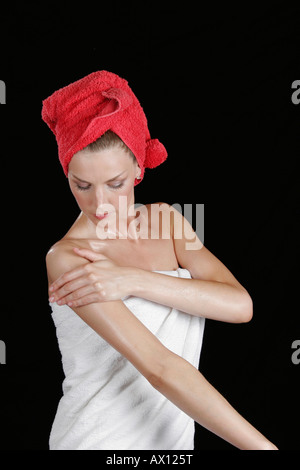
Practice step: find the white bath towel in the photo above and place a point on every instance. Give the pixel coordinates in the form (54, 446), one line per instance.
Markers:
(107, 404)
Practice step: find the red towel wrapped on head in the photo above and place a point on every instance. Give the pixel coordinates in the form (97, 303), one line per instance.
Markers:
(83, 111)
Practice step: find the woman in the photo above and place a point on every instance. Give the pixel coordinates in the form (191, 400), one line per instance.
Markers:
(129, 293)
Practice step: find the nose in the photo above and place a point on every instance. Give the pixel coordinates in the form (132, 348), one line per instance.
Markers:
(99, 197)
(101, 202)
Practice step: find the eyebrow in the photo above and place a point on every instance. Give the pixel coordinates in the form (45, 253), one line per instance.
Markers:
(108, 181)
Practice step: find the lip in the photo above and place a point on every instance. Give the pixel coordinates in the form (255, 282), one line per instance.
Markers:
(102, 216)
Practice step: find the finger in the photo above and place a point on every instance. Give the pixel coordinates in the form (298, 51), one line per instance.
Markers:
(87, 254)
(67, 277)
(77, 295)
(68, 288)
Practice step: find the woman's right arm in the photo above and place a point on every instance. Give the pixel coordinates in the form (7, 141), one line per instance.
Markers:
(167, 372)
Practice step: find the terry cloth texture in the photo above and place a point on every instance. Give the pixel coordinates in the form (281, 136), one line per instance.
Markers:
(83, 111)
(107, 404)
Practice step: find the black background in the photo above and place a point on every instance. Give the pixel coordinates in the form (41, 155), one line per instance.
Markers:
(216, 84)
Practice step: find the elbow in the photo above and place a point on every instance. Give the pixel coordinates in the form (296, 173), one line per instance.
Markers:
(244, 309)
(156, 379)
(157, 374)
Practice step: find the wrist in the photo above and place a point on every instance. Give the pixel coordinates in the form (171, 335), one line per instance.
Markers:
(135, 281)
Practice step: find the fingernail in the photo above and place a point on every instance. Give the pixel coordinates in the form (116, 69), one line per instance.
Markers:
(51, 289)
(51, 298)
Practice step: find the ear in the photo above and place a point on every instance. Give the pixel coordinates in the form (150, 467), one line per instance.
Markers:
(138, 173)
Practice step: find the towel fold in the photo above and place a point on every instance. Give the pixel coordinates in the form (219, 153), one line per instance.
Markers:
(81, 112)
(107, 404)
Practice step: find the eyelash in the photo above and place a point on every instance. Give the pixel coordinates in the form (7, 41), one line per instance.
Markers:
(85, 188)
(82, 188)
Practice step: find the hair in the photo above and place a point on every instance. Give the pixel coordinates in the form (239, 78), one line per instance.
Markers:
(107, 141)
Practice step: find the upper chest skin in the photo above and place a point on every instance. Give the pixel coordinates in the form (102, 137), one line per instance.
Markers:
(153, 252)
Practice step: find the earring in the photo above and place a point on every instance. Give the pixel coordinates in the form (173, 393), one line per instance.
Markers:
(138, 177)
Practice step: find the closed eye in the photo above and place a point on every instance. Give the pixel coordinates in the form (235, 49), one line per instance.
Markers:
(82, 188)
(118, 185)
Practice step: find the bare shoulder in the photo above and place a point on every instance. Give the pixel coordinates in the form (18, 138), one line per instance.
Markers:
(60, 249)
(160, 220)
(171, 221)
(62, 258)
(161, 208)
(166, 208)
(173, 213)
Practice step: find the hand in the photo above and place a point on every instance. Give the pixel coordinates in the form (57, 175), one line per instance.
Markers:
(101, 280)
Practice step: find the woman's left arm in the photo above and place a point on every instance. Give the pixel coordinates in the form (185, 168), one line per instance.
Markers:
(216, 300)
(213, 292)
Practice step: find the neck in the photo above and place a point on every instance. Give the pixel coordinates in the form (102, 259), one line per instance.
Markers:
(131, 227)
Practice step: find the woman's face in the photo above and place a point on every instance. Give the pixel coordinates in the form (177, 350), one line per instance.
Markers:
(98, 179)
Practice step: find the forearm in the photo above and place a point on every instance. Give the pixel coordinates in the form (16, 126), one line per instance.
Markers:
(186, 387)
(208, 299)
